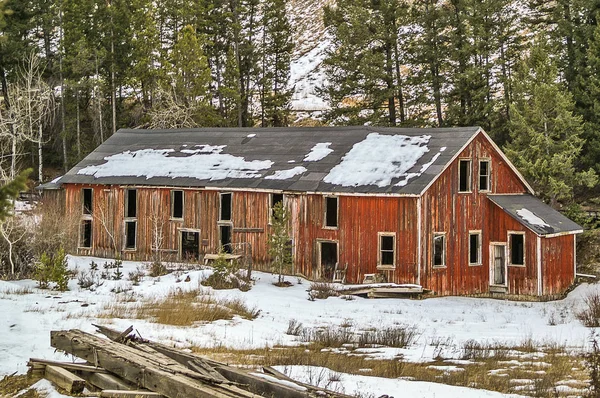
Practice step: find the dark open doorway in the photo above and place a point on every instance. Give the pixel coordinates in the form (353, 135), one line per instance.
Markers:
(190, 245)
(225, 231)
(328, 259)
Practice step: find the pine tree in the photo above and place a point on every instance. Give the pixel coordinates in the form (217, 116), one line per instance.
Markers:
(545, 133)
(10, 191)
(276, 56)
(279, 242)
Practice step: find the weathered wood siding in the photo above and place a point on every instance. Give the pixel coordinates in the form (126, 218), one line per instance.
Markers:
(445, 210)
(558, 267)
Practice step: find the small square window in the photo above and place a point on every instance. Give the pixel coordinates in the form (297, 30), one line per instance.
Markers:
(439, 250)
(387, 250)
(484, 175)
(464, 178)
(475, 248)
(517, 249)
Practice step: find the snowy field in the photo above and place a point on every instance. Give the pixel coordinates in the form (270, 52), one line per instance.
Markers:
(27, 315)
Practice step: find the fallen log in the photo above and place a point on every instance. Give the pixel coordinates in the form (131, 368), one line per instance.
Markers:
(153, 371)
(64, 379)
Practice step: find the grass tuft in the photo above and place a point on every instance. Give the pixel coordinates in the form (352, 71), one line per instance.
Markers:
(590, 315)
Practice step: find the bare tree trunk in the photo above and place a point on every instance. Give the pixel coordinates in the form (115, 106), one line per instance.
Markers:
(40, 153)
(62, 97)
(78, 126)
(99, 101)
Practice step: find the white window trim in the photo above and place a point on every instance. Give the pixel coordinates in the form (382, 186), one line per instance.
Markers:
(337, 209)
(489, 174)
(470, 179)
(479, 249)
(509, 249)
(444, 253)
(379, 253)
(173, 204)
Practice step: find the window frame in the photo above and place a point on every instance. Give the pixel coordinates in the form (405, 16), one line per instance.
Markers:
(271, 204)
(125, 235)
(126, 214)
(230, 219)
(438, 234)
(380, 264)
(81, 233)
(83, 207)
(509, 249)
(469, 177)
(326, 198)
(479, 248)
(173, 204)
(488, 176)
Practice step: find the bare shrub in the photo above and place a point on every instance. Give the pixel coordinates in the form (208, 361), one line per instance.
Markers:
(322, 290)
(590, 315)
(157, 268)
(328, 337)
(592, 361)
(89, 280)
(54, 228)
(226, 275)
(478, 351)
(294, 327)
(396, 336)
(136, 276)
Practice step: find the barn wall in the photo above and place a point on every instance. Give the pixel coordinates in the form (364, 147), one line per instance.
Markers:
(444, 209)
(558, 269)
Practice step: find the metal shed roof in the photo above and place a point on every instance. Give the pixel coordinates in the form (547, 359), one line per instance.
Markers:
(274, 158)
(535, 214)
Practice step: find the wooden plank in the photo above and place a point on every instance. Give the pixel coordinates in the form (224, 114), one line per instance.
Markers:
(129, 394)
(152, 371)
(67, 365)
(66, 380)
(106, 381)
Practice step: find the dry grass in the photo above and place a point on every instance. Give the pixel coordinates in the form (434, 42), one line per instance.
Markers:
(590, 315)
(181, 308)
(513, 372)
(11, 385)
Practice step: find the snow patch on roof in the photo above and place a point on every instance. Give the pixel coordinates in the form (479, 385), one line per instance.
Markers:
(204, 163)
(318, 152)
(531, 218)
(251, 135)
(285, 174)
(378, 159)
(56, 180)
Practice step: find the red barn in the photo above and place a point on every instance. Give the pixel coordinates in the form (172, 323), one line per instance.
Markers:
(441, 208)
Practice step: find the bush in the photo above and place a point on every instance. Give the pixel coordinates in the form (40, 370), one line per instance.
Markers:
(53, 269)
(294, 328)
(592, 361)
(399, 336)
(157, 268)
(322, 290)
(590, 315)
(225, 275)
(136, 276)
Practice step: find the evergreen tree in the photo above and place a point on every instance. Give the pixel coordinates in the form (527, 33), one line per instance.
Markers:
(279, 241)
(545, 133)
(276, 55)
(10, 191)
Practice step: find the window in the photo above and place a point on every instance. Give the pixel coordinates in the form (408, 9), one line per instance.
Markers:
(85, 235)
(130, 229)
(516, 242)
(439, 250)
(87, 200)
(275, 199)
(176, 204)
(131, 203)
(464, 178)
(484, 175)
(387, 249)
(225, 214)
(331, 211)
(475, 248)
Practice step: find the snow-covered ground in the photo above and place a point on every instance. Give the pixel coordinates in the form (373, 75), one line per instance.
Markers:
(444, 324)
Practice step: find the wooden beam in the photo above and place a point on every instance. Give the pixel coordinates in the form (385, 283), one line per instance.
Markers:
(106, 381)
(129, 394)
(66, 380)
(66, 365)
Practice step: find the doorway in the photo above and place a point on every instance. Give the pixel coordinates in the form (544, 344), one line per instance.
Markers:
(190, 245)
(498, 264)
(225, 238)
(328, 258)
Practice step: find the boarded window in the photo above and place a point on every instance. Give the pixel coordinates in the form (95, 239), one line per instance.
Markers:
(87, 200)
(387, 250)
(475, 248)
(464, 178)
(130, 229)
(331, 211)
(131, 203)
(517, 249)
(225, 207)
(484, 175)
(439, 250)
(85, 238)
(177, 204)
(276, 198)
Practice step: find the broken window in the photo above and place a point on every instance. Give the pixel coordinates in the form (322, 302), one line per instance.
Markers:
(475, 248)
(439, 250)
(331, 211)
(130, 230)
(517, 248)
(464, 178)
(484, 175)
(87, 200)
(387, 249)
(85, 236)
(176, 204)
(275, 199)
(225, 207)
(131, 203)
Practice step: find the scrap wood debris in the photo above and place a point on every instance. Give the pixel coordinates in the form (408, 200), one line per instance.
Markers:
(124, 365)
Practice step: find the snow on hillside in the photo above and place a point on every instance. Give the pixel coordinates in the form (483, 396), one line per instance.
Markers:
(27, 315)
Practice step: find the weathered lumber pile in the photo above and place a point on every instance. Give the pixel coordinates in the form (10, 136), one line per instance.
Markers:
(125, 366)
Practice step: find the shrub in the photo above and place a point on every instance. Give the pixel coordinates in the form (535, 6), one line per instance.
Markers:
(225, 275)
(157, 268)
(590, 315)
(399, 336)
(294, 328)
(321, 290)
(136, 276)
(592, 361)
(53, 269)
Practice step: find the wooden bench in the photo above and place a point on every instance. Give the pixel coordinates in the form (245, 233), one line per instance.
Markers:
(212, 257)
